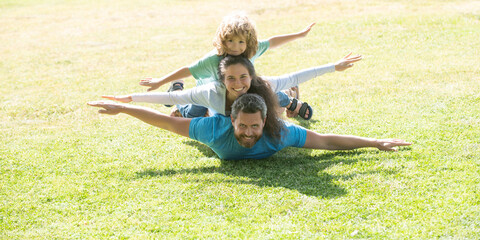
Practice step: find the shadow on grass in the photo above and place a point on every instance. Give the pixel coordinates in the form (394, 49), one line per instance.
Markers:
(306, 123)
(292, 168)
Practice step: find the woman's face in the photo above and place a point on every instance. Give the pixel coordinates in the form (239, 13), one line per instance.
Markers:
(237, 80)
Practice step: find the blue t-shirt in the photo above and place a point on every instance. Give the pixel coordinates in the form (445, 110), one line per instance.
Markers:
(205, 70)
(217, 133)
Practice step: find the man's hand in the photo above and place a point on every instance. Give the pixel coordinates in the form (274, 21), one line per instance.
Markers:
(123, 99)
(111, 108)
(347, 62)
(389, 144)
(153, 83)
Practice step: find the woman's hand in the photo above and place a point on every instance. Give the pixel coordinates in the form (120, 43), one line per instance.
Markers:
(123, 99)
(347, 62)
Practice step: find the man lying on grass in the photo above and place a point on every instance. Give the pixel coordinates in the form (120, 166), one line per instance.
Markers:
(244, 135)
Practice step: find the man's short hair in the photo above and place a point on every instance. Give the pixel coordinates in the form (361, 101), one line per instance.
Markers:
(249, 103)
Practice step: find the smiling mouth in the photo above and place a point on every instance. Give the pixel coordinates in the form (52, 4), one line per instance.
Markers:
(238, 89)
(247, 141)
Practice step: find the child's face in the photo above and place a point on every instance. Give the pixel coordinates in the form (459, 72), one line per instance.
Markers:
(236, 45)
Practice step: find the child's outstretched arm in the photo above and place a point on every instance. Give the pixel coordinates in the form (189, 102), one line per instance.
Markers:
(155, 83)
(279, 40)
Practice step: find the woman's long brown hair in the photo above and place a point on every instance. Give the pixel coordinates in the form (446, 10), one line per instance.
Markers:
(273, 124)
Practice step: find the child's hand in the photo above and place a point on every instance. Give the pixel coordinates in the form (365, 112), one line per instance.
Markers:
(153, 83)
(347, 62)
(110, 108)
(124, 99)
(305, 31)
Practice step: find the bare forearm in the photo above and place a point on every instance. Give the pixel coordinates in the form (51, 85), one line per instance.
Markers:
(157, 119)
(176, 75)
(337, 142)
(279, 40)
(346, 142)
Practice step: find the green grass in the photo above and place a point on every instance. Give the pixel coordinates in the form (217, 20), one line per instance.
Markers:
(67, 172)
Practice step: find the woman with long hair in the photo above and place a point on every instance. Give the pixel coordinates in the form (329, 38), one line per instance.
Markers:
(238, 76)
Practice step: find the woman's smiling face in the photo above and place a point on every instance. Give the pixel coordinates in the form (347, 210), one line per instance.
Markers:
(237, 80)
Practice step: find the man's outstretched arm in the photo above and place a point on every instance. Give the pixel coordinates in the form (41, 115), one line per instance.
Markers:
(345, 142)
(177, 125)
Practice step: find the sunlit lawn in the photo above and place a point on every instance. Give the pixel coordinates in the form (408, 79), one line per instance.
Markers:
(67, 172)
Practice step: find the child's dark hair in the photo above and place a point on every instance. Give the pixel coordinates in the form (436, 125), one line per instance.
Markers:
(273, 124)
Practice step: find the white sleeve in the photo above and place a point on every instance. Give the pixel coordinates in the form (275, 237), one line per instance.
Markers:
(286, 81)
(196, 95)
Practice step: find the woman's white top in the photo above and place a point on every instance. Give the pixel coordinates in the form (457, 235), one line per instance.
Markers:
(212, 95)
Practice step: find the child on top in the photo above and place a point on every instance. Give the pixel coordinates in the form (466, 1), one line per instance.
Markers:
(235, 36)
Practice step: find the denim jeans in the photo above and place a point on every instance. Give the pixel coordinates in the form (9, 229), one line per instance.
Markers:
(192, 111)
(283, 99)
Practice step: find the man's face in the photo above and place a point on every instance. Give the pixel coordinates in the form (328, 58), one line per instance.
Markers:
(248, 128)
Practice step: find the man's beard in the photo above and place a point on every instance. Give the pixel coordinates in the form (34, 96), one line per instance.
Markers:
(247, 143)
